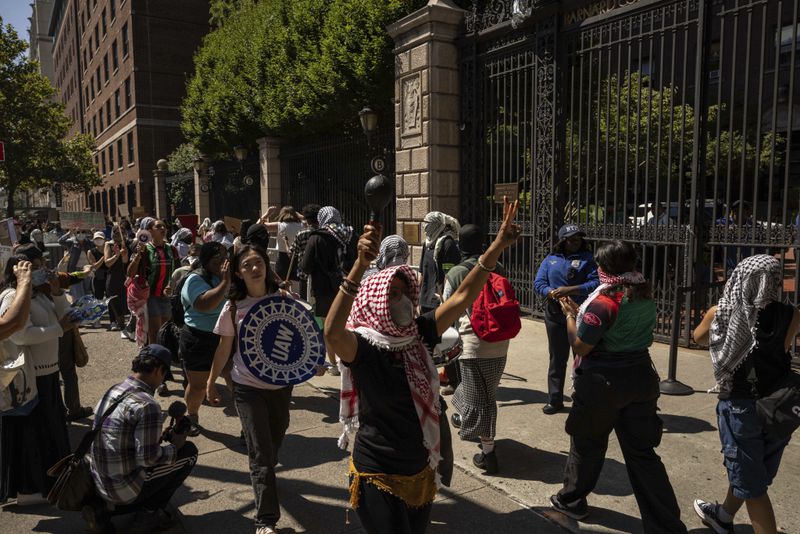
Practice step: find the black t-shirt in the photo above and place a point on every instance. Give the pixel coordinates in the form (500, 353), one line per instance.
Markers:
(389, 439)
(434, 270)
(768, 362)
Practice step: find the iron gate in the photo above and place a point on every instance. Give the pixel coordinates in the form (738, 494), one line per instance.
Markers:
(666, 123)
(332, 170)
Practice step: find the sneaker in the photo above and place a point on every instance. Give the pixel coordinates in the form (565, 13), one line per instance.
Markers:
(115, 328)
(577, 510)
(266, 530)
(98, 520)
(157, 520)
(550, 408)
(163, 391)
(487, 462)
(127, 335)
(708, 514)
(334, 371)
(194, 430)
(448, 390)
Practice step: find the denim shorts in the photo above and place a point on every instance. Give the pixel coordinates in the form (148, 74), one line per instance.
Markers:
(159, 307)
(751, 458)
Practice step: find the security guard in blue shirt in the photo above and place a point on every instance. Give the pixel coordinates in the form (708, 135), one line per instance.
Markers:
(570, 271)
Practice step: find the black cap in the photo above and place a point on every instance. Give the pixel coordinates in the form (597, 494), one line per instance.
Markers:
(471, 239)
(569, 230)
(30, 251)
(159, 352)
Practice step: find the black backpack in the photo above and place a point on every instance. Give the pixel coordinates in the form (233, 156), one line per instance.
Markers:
(779, 411)
(176, 304)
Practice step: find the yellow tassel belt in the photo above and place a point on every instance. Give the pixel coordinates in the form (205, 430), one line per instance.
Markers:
(414, 490)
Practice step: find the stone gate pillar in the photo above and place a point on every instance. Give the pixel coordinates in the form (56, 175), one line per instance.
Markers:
(270, 161)
(427, 92)
(160, 188)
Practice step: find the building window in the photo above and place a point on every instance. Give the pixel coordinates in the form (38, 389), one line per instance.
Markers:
(85, 60)
(97, 80)
(120, 163)
(86, 89)
(128, 96)
(108, 111)
(114, 56)
(103, 162)
(125, 40)
(116, 103)
(112, 9)
(111, 158)
(91, 86)
(96, 37)
(105, 67)
(94, 125)
(101, 119)
(130, 148)
(103, 20)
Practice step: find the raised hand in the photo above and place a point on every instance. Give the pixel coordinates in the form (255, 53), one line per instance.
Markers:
(369, 244)
(22, 272)
(509, 232)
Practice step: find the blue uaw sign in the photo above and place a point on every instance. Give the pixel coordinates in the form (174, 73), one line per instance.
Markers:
(280, 342)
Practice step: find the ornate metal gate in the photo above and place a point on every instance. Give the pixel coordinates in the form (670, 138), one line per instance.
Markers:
(666, 123)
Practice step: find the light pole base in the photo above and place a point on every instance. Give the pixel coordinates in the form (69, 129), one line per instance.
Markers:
(673, 387)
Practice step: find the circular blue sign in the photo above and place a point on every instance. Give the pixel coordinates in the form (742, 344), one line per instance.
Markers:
(280, 342)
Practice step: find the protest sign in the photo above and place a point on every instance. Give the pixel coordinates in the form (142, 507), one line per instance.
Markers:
(82, 220)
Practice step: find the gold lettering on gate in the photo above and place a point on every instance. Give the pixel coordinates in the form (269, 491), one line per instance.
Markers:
(598, 8)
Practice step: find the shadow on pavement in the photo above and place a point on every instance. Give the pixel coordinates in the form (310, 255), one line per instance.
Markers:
(682, 424)
(520, 396)
(299, 452)
(317, 404)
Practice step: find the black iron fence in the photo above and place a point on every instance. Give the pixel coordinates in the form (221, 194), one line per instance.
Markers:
(180, 194)
(332, 170)
(667, 123)
(235, 189)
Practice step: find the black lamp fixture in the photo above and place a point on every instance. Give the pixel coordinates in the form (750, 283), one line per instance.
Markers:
(369, 122)
(240, 152)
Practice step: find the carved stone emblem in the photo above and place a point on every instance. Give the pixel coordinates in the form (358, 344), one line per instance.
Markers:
(412, 106)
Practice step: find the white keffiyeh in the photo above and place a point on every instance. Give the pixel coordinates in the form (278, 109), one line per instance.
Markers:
(754, 283)
(438, 226)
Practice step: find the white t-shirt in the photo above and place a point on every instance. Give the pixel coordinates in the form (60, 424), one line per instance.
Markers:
(288, 232)
(240, 374)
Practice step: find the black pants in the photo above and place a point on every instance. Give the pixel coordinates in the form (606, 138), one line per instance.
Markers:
(623, 400)
(383, 513)
(161, 482)
(99, 287)
(66, 366)
(265, 417)
(558, 343)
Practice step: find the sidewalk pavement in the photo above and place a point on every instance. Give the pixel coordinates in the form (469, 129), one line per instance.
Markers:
(531, 449)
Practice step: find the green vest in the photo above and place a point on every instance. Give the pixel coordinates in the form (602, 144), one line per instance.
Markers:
(632, 330)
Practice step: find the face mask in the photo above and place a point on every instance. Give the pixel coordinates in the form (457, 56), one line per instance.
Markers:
(39, 277)
(402, 311)
(80, 237)
(99, 242)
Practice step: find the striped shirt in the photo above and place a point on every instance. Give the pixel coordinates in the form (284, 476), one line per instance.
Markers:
(128, 443)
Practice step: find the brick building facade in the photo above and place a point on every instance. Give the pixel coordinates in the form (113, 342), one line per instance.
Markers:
(126, 65)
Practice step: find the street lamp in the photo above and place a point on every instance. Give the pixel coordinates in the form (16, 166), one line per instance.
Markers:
(201, 168)
(240, 152)
(369, 122)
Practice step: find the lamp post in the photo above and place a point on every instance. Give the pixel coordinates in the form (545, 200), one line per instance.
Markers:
(369, 123)
(201, 168)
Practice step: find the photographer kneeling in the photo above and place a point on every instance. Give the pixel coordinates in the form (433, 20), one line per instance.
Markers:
(131, 468)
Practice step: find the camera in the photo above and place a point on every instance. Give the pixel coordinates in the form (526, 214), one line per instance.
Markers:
(179, 422)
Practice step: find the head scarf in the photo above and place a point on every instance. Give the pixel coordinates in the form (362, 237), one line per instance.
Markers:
(371, 318)
(145, 222)
(607, 281)
(439, 226)
(177, 241)
(393, 252)
(330, 220)
(753, 284)
(470, 240)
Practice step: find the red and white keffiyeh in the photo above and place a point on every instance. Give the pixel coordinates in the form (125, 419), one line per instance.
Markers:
(371, 318)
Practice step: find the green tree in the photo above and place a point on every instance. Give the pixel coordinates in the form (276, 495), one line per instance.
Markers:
(33, 126)
(289, 67)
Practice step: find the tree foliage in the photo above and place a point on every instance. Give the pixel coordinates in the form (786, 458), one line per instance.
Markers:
(33, 126)
(286, 67)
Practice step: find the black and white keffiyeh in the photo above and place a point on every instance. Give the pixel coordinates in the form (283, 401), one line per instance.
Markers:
(438, 226)
(754, 283)
(330, 220)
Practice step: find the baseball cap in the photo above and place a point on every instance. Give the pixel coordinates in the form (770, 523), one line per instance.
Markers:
(257, 234)
(99, 235)
(159, 352)
(569, 230)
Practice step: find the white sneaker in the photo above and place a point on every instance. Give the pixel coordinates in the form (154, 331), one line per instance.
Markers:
(266, 530)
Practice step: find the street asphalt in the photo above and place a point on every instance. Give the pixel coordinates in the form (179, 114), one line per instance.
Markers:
(531, 447)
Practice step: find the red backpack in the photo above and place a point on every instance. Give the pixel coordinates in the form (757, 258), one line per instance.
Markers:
(495, 313)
